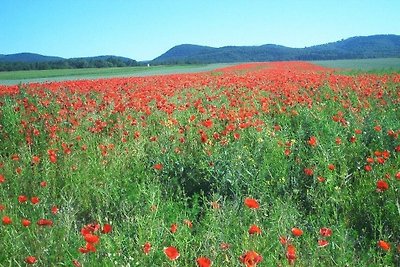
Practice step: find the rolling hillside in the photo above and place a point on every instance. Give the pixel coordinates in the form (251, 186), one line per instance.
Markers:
(375, 46)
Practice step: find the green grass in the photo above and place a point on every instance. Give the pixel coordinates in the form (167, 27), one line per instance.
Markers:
(104, 170)
(371, 65)
(16, 77)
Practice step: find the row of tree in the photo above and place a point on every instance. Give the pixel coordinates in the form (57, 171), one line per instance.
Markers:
(77, 63)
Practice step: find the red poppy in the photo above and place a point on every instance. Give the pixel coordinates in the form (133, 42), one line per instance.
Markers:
(338, 141)
(172, 253)
(92, 239)
(106, 228)
(254, 229)
(88, 248)
(173, 228)
(321, 179)
(2, 178)
(207, 123)
(43, 183)
(291, 254)
(158, 166)
(250, 258)
(90, 228)
(368, 168)
(22, 199)
(308, 171)
(331, 167)
(322, 243)
(146, 248)
(54, 209)
(25, 222)
(283, 240)
(204, 262)
(30, 260)
(45, 222)
(384, 245)
(6, 220)
(297, 231)
(35, 200)
(381, 185)
(35, 159)
(312, 141)
(398, 176)
(251, 203)
(324, 231)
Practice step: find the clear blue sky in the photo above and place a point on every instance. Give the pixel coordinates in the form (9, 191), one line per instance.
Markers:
(144, 29)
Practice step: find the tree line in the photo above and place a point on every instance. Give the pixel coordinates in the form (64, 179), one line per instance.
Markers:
(76, 63)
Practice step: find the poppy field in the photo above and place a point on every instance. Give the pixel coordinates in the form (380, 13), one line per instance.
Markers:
(259, 164)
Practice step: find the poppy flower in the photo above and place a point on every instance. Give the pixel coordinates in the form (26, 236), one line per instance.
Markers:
(158, 166)
(88, 248)
(254, 229)
(6, 220)
(45, 222)
(43, 183)
(381, 185)
(251, 203)
(322, 243)
(2, 178)
(30, 260)
(146, 248)
(397, 175)
(54, 209)
(331, 167)
(35, 200)
(384, 245)
(297, 231)
(22, 199)
(35, 159)
(90, 229)
(172, 253)
(324, 231)
(312, 141)
(291, 254)
(106, 228)
(308, 171)
(250, 258)
(207, 123)
(368, 168)
(203, 262)
(92, 239)
(173, 228)
(283, 240)
(321, 179)
(25, 222)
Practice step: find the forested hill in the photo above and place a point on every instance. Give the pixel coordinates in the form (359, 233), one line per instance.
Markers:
(375, 46)
(31, 61)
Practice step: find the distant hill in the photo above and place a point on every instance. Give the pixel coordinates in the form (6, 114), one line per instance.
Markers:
(31, 61)
(375, 46)
(27, 57)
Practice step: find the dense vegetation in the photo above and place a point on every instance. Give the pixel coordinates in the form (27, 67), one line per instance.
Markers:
(265, 164)
(376, 46)
(28, 61)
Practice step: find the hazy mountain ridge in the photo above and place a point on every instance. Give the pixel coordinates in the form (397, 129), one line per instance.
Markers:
(373, 46)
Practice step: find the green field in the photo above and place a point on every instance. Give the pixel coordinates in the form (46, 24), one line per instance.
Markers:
(363, 65)
(16, 77)
(349, 66)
